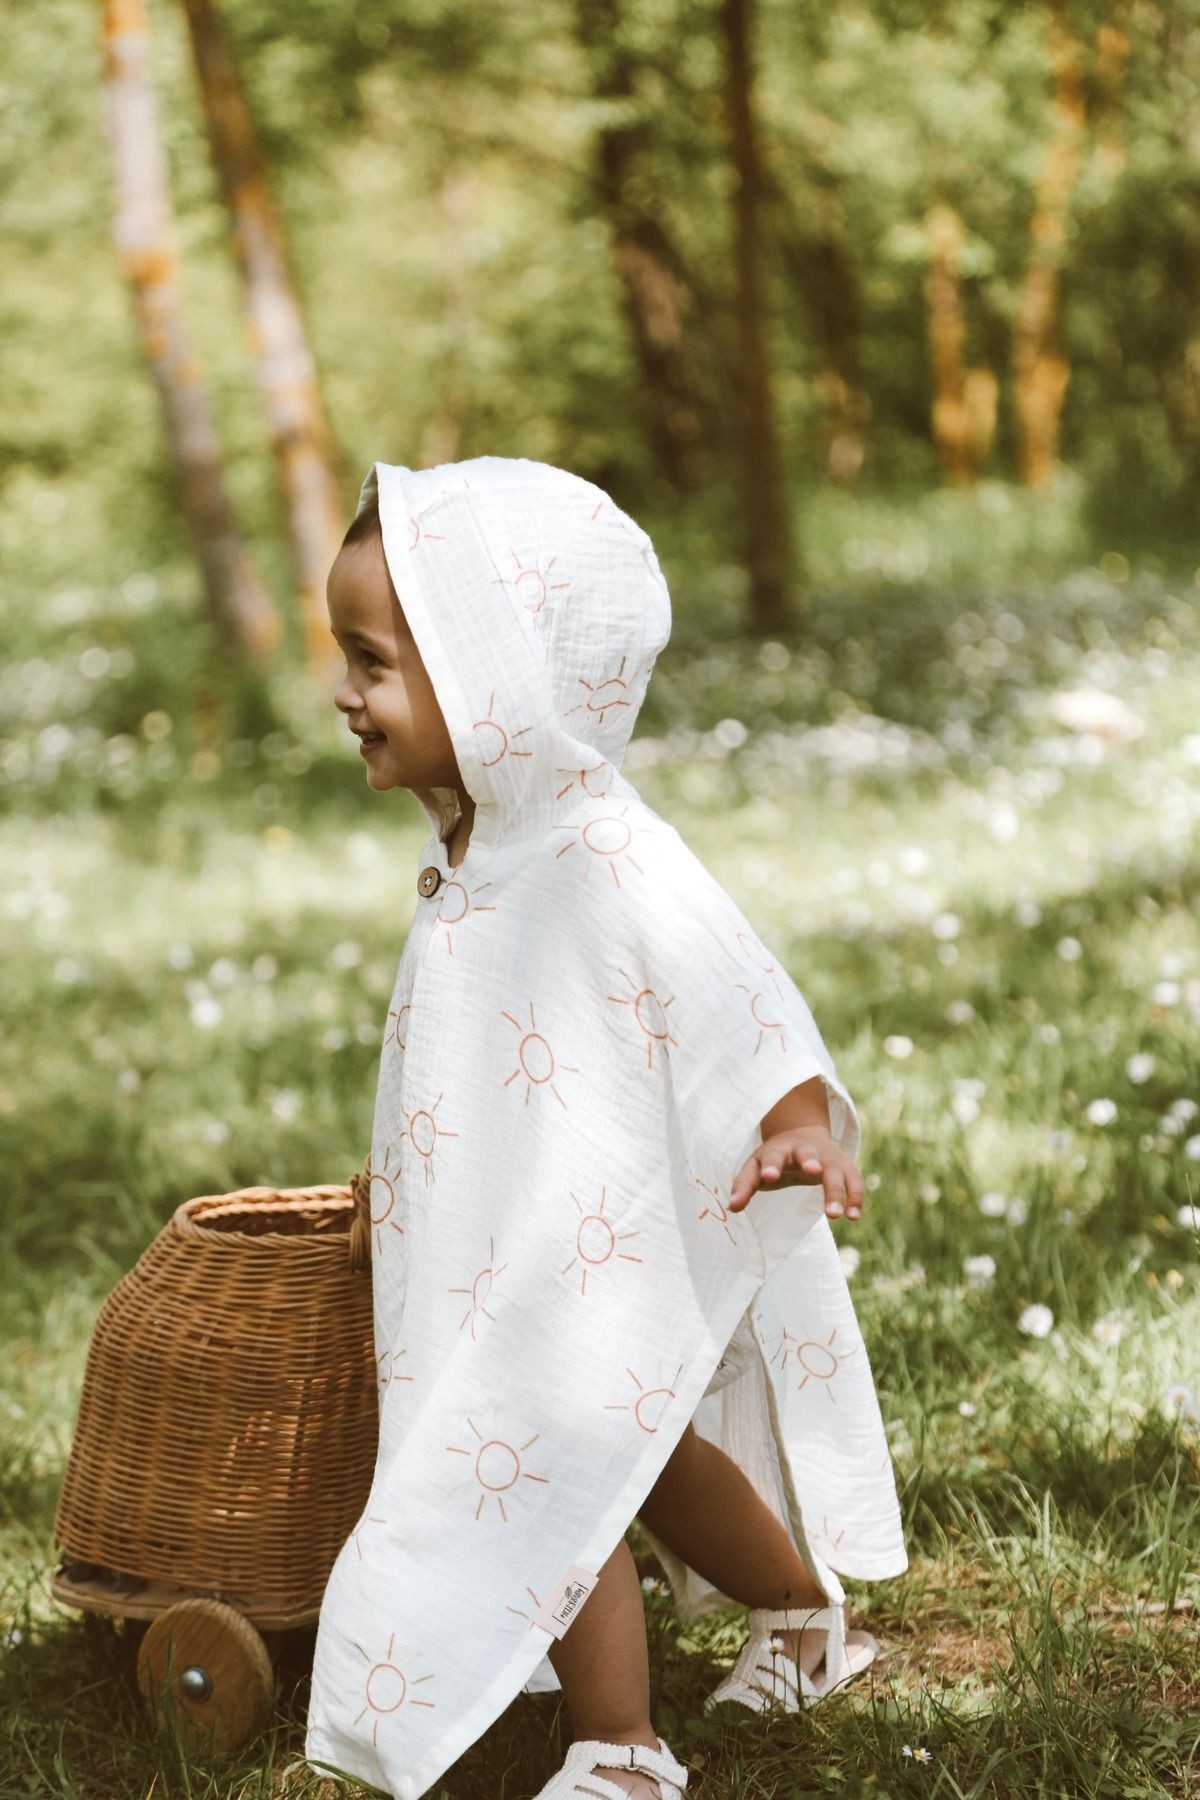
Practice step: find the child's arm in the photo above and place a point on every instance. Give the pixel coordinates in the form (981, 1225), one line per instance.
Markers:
(796, 1137)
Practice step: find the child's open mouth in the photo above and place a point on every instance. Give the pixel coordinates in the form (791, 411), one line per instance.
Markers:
(370, 741)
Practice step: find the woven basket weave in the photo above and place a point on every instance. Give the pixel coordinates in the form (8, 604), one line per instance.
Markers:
(228, 1421)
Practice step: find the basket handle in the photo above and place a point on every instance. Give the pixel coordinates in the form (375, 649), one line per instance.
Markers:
(360, 1226)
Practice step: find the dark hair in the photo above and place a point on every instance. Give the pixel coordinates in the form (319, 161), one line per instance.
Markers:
(366, 524)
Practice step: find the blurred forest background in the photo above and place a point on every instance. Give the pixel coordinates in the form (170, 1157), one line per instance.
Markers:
(821, 295)
(883, 318)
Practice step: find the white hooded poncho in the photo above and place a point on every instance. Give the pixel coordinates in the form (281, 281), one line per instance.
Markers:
(584, 1036)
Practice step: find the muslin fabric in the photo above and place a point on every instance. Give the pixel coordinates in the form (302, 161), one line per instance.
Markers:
(583, 1038)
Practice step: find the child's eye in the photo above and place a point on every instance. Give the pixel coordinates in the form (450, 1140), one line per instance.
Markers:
(370, 657)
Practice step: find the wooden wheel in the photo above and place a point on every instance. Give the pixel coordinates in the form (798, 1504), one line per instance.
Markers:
(204, 1666)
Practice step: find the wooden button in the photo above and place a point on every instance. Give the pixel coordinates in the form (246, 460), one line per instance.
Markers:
(429, 881)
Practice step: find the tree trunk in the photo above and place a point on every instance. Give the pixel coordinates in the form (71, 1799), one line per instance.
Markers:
(964, 400)
(243, 618)
(1040, 371)
(286, 373)
(817, 256)
(654, 286)
(769, 550)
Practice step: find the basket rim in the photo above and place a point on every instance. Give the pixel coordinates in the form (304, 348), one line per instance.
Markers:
(190, 1217)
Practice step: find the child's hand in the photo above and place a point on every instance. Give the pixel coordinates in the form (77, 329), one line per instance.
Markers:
(802, 1157)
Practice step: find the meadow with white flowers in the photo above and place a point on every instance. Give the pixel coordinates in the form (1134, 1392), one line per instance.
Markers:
(968, 816)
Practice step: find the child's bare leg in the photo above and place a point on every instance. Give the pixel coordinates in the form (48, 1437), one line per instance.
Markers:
(705, 1509)
(602, 1665)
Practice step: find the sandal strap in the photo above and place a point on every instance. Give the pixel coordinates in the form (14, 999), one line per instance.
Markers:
(763, 1621)
(585, 1754)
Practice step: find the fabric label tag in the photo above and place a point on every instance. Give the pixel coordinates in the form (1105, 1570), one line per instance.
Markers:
(570, 1592)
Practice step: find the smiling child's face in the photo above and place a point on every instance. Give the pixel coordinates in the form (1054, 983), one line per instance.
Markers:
(386, 694)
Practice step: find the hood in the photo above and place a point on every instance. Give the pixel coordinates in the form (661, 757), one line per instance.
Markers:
(539, 608)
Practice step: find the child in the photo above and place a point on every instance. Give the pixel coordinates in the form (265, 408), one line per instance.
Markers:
(607, 1137)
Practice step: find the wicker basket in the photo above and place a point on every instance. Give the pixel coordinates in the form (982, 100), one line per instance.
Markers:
(229, 1416)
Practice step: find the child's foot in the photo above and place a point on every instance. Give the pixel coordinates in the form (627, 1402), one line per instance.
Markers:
(765, 1674)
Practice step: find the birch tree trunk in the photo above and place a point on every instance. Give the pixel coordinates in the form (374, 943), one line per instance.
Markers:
(1040, 372)
(769, 545)
(278, 344)
(243, 617)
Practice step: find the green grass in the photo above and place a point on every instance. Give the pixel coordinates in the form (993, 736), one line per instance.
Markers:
(994, 919)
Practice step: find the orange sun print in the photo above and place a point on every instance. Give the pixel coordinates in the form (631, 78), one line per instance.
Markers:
(366, 1519)
(533, 585)
(715, 1209)
(423, 1132)
(823, 1542)
(596, 1241)
(383, 1199)
(760, 1010)
(419, 534)
(650, 1013)
(650, 1403)
(521, 1614)
(609, 839)
(596, 782)
(387, 1372)
(536, 1060)
(387, 1688)
(819, 1362)
(497, 1467)
(397, 1026)
(480, 1291)
(456, 904)
(495, 742)
(604, 696)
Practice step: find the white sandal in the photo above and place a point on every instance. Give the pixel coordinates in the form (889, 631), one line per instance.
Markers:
(576, 1777)
(765, 1676)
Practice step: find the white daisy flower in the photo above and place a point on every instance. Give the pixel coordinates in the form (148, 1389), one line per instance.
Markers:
(1036, 1321)
(979, 1270)
(1181, 1400)
(1110, 1329)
